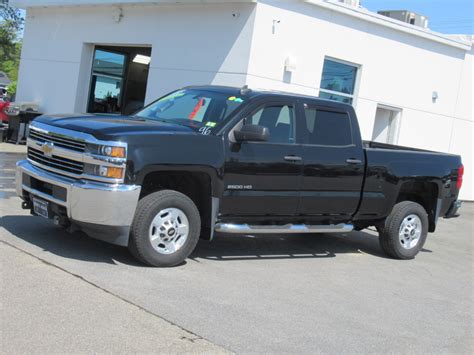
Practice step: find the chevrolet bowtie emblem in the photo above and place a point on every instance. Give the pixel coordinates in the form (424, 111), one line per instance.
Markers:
(47, 148)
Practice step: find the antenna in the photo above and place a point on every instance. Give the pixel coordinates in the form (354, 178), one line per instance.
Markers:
(245, 90)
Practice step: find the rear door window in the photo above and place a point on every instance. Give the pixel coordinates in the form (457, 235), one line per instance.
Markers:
(327, 128)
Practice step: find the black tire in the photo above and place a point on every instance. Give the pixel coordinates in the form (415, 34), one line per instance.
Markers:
(148, 207)
(389, 231)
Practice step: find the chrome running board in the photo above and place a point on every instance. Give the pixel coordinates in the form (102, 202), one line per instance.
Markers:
(283, 229)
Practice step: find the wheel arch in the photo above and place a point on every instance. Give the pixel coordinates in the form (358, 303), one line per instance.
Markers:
(200, 185)
(424, 193)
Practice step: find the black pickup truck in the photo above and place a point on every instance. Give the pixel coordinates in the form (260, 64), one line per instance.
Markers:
(208, 159)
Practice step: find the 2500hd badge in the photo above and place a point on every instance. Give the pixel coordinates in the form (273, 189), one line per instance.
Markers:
(239, 187)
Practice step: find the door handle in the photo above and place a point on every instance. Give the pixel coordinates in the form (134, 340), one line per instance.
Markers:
(293, 158)
(353, 161)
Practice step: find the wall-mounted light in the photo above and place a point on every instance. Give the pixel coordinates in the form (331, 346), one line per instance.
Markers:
(142, 59)
(290, 64)
(117, 14)
(434, 96)
(275, 23)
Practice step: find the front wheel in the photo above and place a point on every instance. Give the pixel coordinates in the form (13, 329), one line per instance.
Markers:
(165, 229)
(405, 230)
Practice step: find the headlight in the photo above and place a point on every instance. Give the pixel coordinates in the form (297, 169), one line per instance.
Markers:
(115, 152)
(106, 161)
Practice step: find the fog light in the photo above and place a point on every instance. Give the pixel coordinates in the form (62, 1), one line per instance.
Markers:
(103, 171)
(110, 172)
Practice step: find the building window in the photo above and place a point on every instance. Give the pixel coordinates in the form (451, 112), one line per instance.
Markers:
(338, 81)
(108, 71)
(119, 79)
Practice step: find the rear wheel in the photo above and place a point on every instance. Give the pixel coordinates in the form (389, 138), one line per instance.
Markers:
(405, 230)
(165, 229)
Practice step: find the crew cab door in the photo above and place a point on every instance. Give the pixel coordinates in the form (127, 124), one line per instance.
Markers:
(264, 178)
(333, 160)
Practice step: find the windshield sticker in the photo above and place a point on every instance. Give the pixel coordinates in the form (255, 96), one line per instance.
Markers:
(235, 99)
(205, 131)
(211, 124)
(198, 106)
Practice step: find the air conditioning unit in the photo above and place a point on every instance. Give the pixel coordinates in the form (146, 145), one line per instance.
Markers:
(355, 3)
(407, 16)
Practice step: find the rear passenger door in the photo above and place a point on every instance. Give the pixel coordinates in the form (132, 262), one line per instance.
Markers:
(333, 162)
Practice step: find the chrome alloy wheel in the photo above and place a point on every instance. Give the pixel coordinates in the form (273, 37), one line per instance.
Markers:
(410, 231)
(169, 230)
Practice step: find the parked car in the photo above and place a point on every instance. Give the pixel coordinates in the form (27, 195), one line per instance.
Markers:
(212, 159)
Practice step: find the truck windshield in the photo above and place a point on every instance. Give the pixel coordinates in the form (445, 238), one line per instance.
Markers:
(193, 108)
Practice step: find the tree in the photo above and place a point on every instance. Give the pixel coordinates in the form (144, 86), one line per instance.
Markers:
(11, 23)
(8, 13)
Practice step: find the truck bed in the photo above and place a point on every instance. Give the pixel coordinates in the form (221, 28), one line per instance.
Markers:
(392, 169)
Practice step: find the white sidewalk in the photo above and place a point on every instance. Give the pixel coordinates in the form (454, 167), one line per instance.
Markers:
(45, 309)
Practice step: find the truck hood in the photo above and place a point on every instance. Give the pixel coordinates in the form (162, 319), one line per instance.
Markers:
(108, 127)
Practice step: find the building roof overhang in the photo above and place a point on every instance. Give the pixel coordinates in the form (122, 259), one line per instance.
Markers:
(22, 4)
(358, 12)
(372, 17)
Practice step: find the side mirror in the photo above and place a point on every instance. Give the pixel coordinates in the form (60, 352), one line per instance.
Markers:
(252, 133)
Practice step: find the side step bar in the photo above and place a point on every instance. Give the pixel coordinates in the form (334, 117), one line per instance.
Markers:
(281, 229)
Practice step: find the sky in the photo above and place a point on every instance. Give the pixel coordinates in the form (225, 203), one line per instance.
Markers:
(445, 16)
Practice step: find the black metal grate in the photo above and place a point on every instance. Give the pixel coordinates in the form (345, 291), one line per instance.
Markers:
(62, 142)
(55, 162)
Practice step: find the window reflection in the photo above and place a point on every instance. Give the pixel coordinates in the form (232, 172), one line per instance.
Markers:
(107, 82)
(345, 99)
(338, 81)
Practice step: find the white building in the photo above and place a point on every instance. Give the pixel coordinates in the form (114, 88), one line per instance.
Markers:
(410, 86)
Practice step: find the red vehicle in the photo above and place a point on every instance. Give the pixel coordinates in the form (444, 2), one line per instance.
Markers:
(3, 107)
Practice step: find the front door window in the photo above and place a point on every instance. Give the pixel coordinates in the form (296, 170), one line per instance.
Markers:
(279, 119)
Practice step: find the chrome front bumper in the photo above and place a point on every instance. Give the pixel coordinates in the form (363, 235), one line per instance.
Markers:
(88, 204)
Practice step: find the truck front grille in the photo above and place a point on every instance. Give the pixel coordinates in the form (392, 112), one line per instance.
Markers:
(74, 154)
(54, 162)
(59, 141)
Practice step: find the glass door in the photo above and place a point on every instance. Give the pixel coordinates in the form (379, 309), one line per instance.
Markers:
(108, 76)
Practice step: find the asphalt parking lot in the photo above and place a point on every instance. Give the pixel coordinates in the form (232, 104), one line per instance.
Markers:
(273, 294)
